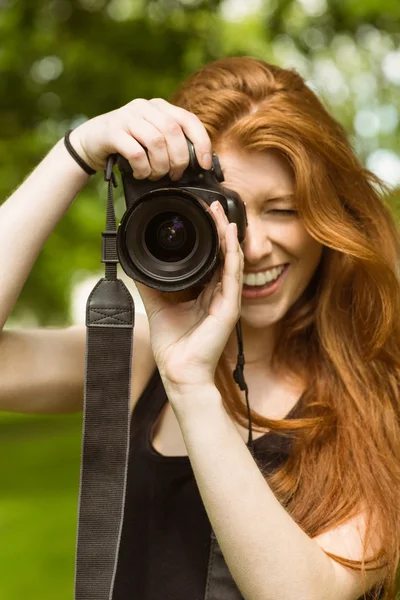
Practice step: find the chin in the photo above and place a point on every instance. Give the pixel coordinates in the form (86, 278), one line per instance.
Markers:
(260, 317)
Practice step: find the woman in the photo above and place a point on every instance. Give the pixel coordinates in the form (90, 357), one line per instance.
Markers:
(315, 512)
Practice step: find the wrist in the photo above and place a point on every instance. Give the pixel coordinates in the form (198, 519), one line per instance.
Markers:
(76, 143)
(59, 162)
(61, 148)
(192, 401)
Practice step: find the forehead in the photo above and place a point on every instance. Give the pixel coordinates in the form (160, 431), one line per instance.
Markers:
(256, 175)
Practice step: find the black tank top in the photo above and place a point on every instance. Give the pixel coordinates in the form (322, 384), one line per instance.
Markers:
(168, 550)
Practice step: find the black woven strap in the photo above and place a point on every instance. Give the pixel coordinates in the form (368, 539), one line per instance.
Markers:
(104, 462)
(110, 314)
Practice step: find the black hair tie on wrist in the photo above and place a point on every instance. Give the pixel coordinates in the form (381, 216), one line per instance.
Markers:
(76, 156)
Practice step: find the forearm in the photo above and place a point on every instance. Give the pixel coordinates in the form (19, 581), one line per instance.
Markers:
(29, 216)
(269, 555)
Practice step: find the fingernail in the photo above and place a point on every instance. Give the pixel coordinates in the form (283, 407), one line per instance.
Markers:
(215, 206)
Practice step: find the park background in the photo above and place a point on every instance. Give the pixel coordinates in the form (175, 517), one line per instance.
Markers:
(64, 61)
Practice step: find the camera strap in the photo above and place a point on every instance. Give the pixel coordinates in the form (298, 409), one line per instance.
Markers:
(110, 314)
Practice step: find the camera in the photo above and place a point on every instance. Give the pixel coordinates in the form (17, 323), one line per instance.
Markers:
(167, 239)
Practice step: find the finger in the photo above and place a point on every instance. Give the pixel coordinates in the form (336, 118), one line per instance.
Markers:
(174, 137)
(134, 153)
(211, 288)
(193, 128)
(232, 278)
(151, 138)
(221, 222)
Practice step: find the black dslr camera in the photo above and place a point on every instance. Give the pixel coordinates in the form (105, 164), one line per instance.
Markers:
(167, 239)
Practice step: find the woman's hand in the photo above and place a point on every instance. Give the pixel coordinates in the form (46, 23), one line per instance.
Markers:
(188, 338)
(155, 125)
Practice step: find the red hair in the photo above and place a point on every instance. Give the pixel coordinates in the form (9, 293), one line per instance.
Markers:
(342, 335)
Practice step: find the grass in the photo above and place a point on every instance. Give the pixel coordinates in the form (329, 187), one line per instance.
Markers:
(39, 474)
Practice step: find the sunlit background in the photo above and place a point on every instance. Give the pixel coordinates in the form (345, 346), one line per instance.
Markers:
(64, 61)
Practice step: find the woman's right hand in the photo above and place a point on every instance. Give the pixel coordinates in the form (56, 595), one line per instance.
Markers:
(156, 125)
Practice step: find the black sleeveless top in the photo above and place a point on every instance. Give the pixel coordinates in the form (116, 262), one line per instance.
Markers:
(168, 550)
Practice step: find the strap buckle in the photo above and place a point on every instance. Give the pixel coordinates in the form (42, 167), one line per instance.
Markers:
(108, 170)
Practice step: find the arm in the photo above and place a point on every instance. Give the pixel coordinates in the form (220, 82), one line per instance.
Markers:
(29, 216)
(42, 370)
(269, 555)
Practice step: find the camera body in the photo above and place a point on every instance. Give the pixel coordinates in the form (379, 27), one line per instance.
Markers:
(167, 239)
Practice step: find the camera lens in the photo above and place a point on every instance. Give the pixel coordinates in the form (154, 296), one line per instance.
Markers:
(172, 233)
(170, 237)
(168, 240)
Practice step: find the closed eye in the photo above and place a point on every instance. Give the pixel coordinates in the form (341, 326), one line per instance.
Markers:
(285, 212)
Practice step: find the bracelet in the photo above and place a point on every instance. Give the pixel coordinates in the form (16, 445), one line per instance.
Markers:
(76, 156)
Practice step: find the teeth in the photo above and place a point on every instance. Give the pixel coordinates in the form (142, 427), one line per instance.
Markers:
(263, 278)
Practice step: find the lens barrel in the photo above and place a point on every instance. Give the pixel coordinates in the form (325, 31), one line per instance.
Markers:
(168, 240)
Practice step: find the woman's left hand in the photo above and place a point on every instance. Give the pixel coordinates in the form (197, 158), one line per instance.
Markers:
(188, 338)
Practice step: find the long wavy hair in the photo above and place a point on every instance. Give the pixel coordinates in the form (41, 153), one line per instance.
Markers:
(342, 335)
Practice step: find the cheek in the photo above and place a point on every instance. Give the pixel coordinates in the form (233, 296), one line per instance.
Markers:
(306, 251)
(310, 257)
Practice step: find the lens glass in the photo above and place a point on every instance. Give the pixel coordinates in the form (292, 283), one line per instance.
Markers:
(170, 236)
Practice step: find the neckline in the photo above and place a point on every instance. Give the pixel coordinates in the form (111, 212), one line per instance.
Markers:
(152, 453)
(289, 415)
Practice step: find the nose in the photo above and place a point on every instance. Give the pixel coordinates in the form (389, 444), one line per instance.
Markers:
(257, 244)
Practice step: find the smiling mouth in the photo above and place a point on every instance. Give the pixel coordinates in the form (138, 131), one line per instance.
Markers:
(259, 291)
(281, 269)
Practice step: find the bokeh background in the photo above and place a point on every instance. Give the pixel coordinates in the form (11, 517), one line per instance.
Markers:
(64, 61)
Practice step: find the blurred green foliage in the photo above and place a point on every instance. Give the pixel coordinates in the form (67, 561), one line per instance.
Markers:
(63, 61)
